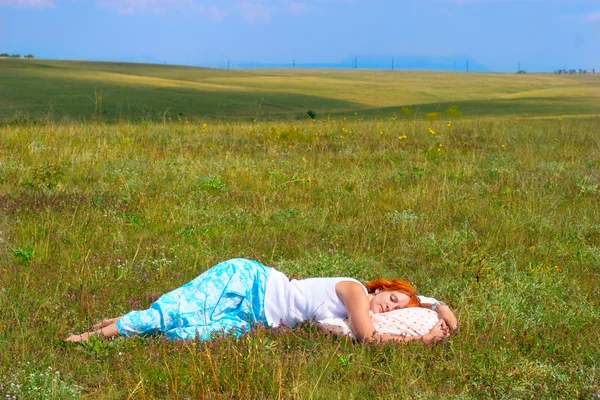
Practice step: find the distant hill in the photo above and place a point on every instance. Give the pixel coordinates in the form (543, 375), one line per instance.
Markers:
(143, 59)
(421, 63)
(113, 91)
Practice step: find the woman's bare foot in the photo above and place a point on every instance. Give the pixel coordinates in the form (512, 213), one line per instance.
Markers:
(104, 323)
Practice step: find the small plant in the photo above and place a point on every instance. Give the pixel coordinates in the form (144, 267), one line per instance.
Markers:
(432, 116)
(133, 219)
(311, 114)
(406, 216)
(414, 173)
(211, 182)
(453, 112)
(407, 111)
(28, 383)
(586, 187)
(45, 177)
(344, 360)
(24, 254)
(285, 214)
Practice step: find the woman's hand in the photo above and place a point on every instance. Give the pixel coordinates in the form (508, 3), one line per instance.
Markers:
(105, 323)
(448, 317)
(84, 337)
(106, 328)
(439, 332)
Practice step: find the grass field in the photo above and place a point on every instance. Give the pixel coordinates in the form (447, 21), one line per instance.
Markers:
(497, 216)
(39, 89)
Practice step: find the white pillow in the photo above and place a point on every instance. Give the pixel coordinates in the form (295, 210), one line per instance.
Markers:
(413, 321)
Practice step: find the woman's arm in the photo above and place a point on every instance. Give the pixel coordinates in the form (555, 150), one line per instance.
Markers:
(436, 334)
(105, 322)
(446, 314)
(106, 328)
(443, 311)
(357, 303)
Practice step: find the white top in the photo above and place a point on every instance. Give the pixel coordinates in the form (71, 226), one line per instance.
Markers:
(427, 300)
(291, 302)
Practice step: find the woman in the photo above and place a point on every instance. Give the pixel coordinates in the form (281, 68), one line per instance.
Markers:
(234, 294)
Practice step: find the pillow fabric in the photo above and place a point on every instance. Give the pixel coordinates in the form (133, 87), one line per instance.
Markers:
(413, 321)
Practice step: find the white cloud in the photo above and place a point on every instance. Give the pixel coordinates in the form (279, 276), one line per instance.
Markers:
(215, 13)
(185, 7)
(253, 11)
(131, 7)
(298, 8)
(593, 17)
(27, 3)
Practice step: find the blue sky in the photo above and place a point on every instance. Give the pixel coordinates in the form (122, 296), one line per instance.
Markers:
(540, 34)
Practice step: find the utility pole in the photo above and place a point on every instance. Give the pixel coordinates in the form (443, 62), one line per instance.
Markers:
(392, 63)
(227, 64)
(519, 67)
(294, 63)
(355, 62)
(454, 65)
(467, 65)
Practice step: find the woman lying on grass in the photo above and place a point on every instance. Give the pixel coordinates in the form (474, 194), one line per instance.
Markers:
(234, 294)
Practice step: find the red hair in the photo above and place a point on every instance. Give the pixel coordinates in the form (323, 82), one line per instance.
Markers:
(395, 285)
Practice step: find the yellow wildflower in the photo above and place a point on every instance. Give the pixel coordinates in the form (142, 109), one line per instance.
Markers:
(431, 131)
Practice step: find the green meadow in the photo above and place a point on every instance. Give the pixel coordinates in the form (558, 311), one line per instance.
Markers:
(483, 190)
(81, 91)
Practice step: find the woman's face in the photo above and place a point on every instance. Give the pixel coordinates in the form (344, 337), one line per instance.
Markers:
(383, 301)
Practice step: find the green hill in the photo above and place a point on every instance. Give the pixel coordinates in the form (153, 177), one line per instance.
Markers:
(82, 90)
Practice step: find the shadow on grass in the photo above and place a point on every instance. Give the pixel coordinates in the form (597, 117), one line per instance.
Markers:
(31, 96)
(522, 107)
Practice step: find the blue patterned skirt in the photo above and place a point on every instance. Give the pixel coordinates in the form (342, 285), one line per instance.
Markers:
(227, 298)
